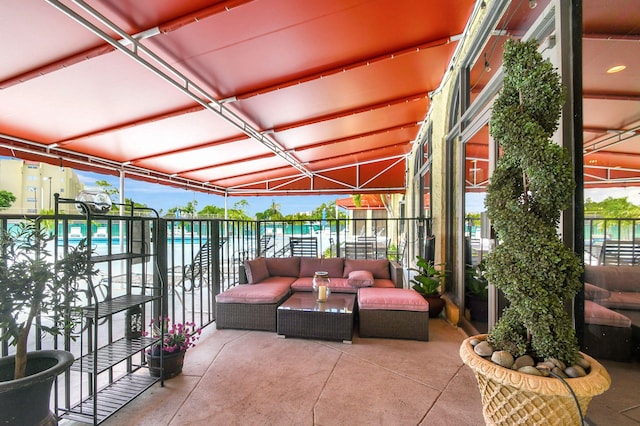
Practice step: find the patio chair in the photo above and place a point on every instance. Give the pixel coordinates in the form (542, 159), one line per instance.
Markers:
(360, 250)
(379, 245)
(619, 253)
(192, 275)
(267, 243)
(304, 246)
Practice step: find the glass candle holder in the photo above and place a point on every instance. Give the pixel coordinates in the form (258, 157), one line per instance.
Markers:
(321, 283)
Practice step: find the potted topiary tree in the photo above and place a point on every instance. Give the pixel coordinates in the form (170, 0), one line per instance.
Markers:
(532, 183)
(35, 288)
(427, 282)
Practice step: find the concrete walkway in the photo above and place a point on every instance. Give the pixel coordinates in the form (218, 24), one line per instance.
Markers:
(235, 377)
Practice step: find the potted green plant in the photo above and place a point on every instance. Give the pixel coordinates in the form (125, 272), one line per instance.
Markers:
(427, 282)
(35, 288)
(476, 291)
(532, 184)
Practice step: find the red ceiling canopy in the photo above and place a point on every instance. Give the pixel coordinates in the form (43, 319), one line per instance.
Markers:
(239, 97)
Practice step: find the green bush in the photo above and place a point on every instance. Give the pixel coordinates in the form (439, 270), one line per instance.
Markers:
(532, 184)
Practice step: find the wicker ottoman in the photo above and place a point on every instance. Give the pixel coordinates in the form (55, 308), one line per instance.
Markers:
(394, 313)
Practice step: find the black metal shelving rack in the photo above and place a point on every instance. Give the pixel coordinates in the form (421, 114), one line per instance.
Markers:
(105, 397)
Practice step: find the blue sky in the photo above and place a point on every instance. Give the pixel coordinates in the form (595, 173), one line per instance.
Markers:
(163, 198)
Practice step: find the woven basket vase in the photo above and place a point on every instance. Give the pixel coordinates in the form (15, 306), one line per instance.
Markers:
(513, 398)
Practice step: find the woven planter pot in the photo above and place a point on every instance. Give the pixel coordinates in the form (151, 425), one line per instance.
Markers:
(171, 364)
(510, 397)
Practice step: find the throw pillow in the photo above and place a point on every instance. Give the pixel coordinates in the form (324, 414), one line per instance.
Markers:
(360, 279)
(378, 267)
(256, 270)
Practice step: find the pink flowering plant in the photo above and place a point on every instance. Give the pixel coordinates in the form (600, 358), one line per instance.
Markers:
(178, 337)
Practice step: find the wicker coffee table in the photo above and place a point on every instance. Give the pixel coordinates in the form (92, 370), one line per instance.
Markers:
(302, 316)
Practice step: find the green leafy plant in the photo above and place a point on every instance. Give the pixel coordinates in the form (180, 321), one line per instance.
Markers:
(33, 286)
(428, 279)
(533, 182)
(475, 282)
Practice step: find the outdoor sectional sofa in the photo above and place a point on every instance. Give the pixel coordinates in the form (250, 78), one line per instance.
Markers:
(612, 311)
(269, 281)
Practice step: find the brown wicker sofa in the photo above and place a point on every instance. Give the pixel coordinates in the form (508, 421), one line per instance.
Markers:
(612, 312)
(266, 282)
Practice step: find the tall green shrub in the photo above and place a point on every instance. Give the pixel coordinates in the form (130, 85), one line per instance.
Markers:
(532, 184)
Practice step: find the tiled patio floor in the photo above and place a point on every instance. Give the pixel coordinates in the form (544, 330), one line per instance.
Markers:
(236, 377)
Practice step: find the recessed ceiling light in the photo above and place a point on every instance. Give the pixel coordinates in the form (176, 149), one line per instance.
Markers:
(616, 69)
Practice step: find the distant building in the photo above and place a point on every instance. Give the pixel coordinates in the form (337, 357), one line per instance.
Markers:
(33, 184)
(371, 209)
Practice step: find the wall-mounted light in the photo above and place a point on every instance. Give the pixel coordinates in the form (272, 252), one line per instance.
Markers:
(532, 4)
(483, 5)
(487, 66)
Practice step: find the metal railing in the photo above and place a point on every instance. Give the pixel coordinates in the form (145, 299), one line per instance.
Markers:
(612, 241)
(199, 258)
(607, 241)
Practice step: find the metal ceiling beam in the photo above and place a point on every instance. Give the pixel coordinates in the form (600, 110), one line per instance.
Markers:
(417, 97)
(94, 52)
(174, 77)
(286, 180)
(360, 136)
(131, 124)
(13, 144)
(348, 67)
(615, 137)
(198, 108)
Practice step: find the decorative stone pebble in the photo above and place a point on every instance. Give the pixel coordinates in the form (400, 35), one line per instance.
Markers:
(543, 367)
(547, 364)
(502, 358)
(559, 372)
(522, 361)
(582, 362)
(483, 349)
(544, 372)
(527, 364)
(561, 365)
(529, 369)
(575, 371)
